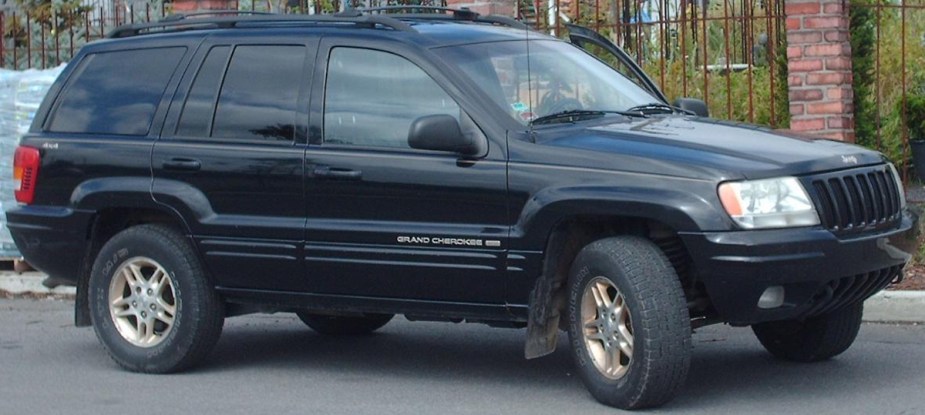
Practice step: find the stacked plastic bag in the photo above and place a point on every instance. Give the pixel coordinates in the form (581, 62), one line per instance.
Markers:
(21, 93)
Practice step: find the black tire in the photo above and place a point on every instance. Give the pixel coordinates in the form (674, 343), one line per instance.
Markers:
(814, 339)
(658, 321)
(184, 297)
(344, 325)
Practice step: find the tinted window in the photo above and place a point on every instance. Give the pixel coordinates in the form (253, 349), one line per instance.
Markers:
(260, 92)
(372, 97)
(197, 112)
(116, 92)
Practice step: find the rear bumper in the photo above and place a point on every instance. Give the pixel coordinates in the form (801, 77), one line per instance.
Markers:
(818, 271)
(51, 239)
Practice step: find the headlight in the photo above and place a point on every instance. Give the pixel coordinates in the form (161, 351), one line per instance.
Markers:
(899, 185)
(769, 203)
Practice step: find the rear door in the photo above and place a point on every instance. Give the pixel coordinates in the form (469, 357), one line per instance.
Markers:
(230, 159)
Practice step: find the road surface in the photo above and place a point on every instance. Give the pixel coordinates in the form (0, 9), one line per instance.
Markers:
(272, 364)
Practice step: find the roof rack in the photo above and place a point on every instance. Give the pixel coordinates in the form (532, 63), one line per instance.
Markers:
(370, 18)
(438, 13)
(228, 19)
(182, 16)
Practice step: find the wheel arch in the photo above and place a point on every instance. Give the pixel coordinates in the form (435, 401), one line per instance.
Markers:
(105, 224)
(566, 239)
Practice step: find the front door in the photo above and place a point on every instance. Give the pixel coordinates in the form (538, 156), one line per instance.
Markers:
(612, 55)
(386, 220)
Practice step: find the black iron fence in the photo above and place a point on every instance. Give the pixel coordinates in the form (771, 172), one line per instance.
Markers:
(888, 43)
(731, 54)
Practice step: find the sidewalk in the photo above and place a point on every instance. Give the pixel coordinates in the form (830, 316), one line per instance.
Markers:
(885, 307)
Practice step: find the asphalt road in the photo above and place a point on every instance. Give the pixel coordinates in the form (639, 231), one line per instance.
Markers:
(272, 364)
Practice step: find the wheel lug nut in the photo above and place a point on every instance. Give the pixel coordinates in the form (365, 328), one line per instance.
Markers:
(143, 314)
(153, 307)
(150, 291)
(134, 304)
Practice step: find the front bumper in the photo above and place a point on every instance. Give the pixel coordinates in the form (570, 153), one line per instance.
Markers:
(818, 270)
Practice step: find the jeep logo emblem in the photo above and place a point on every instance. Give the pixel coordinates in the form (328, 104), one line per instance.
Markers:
(849, 159)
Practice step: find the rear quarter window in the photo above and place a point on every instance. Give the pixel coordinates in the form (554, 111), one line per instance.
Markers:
(115, 92)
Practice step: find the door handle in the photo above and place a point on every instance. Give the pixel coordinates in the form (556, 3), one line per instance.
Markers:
(336, 173)
(182, 164)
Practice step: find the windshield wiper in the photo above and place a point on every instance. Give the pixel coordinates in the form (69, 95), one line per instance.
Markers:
(578, 115)
(654, 107)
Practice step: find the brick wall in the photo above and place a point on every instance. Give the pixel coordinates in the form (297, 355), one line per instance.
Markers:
(819, 64)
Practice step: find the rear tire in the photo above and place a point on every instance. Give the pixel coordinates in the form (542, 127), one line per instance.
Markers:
(628, 323)
(151, 305)
(344, 325)
(814, 339)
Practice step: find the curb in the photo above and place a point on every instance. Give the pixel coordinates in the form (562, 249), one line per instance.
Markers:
(29, 284)
(896, 307)
(883, 307)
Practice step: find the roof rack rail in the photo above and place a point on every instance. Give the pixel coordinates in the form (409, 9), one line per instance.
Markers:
(432, 12)
(182, 16)
(234, 19)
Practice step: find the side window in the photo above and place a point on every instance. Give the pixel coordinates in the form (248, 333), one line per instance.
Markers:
(197, 111)
(100, 98)
(258, 96)
(372, 97)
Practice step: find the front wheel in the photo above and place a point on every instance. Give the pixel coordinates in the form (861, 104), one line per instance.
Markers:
(628, 323)
(814, 339)
(150, 302)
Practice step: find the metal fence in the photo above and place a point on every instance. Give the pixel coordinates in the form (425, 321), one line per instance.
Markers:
(49, 34)
(731, 54)
(888, 44)
(728, 53)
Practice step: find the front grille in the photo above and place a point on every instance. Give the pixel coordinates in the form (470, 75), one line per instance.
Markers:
(849, 290)
(856, 199)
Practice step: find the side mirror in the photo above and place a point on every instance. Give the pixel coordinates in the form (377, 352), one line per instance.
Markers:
(441, 132)
(694, 105)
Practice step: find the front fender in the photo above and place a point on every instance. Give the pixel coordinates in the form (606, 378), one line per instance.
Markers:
(688, 209)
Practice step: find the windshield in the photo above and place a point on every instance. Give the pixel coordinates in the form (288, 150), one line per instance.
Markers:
(558, 77)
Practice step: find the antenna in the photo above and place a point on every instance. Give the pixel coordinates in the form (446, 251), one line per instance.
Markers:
(529, 80)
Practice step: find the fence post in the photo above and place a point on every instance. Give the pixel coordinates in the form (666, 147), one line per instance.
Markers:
(819, 66)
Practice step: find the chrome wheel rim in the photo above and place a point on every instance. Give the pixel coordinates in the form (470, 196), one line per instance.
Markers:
(607, 328)
(142, 302)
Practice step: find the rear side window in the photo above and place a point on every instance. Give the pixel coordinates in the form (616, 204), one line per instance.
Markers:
(196, 119)
(115, 92)
(259, 94)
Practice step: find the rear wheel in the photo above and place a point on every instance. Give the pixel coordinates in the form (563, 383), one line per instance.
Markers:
(814, 339)
(628, 323)
(151, 306)
(344, 325)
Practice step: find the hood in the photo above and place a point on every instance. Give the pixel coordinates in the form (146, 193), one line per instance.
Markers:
(708, 147)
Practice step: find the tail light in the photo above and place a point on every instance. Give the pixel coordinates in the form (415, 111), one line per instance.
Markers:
(26, 163)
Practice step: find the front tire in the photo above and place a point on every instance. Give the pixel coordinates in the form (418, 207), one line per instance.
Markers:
(628, 323)
(151, 305)
(814, 339)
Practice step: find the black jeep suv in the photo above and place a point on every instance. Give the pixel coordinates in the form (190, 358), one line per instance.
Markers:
(444, 166)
